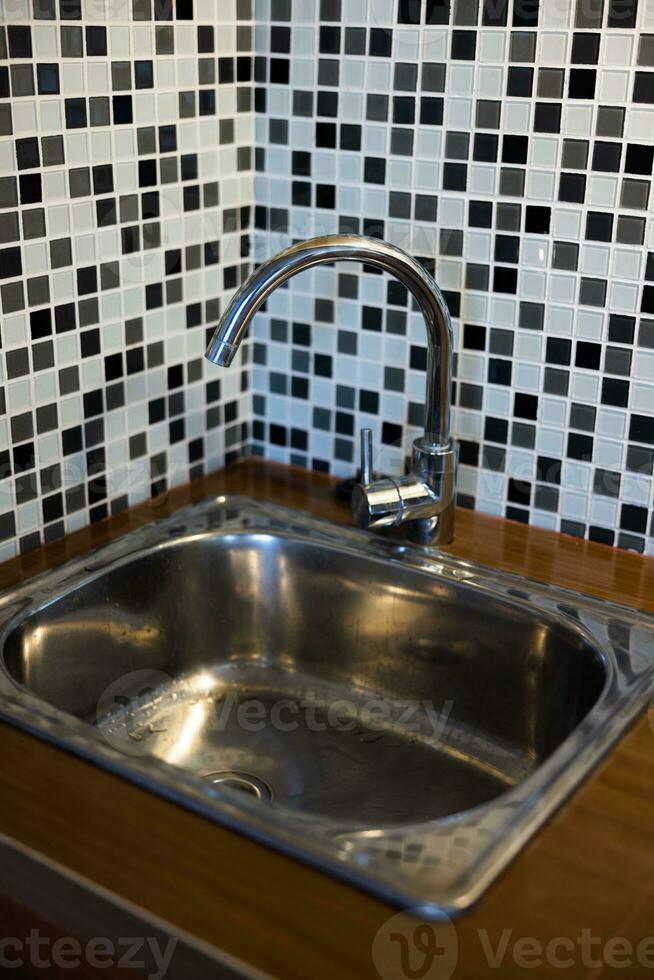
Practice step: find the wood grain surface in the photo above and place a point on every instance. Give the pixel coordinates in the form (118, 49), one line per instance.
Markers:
(591, 868)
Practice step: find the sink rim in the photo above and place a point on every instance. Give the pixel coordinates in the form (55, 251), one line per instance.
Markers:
(506, 822)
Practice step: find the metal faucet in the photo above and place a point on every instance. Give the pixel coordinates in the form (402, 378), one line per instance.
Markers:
(424, 498)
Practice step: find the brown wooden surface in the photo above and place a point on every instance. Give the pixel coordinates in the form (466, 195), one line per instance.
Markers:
(591, 868)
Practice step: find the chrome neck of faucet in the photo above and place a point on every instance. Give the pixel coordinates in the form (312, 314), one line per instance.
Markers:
(424, 496)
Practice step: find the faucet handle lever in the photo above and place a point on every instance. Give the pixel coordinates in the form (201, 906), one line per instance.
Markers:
(366, 456)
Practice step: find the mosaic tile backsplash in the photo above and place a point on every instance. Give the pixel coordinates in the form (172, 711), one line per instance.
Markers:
(151, 149)
(508, 145)
(126, 153)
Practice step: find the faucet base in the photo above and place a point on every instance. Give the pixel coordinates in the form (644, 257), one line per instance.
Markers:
(424, 499)
(435, 531)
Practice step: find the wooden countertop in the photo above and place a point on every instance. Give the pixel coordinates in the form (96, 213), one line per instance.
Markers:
(591, 868)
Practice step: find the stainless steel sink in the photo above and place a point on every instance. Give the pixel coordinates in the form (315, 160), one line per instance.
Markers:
(391, 714)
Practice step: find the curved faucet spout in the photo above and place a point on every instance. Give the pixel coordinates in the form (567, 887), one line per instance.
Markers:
(352, 248)
(424, 498)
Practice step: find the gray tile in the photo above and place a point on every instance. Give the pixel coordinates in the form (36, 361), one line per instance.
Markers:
(8, 192)
(88, 311)
(52, 150)
(22, 427)
(488, 114)
(507, 216)
(556, 381)
(146, 140)
(18, 364)
(565, 255)
(531, 316)
(575, 154)
(60, 253)
(9, 227)
(592, 292)
(512, 182)
(6, 125)
(38, 291)
(165, 40)
(186, 105)
(142, 9)
(168, 171)
(34, 223)
(22, 81)
(433, 76)
(68, 380)
(589, 14)
(121, 76)
(47, 421)
(646, 50)
(71, 42)
(99, 114)
(466, 13)
(582, 417)
(129, 206)
(635, 194)
(13, 297)
(630, 230)
(523, 46)
(79, 182)
(477, 276)
(550, 83)
(610, 121)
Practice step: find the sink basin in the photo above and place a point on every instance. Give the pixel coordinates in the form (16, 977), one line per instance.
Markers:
(394, 715)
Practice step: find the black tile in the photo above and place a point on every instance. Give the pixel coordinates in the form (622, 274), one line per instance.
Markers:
(96, 41)
(644, 87)
(75, 113)
(547, 117)
(505, 280)
(621, 329)
(633, 518)
(19, 41)
(525, 13)
(585, 48)
(622, 13)
(581, 83)
(27, 153)
(47, 76)
(599, 226)
(520, 82)
(10, 263)
(525, 406)
(494, 13)
(464, 45)
(588, 355)
(572, 188)
(480, 214)
(615, 391)
(580, 446)
(606, 157)
(514, 149)
(485, 147)
(558, 350)
(437, 12)
(122, 109)
(537, 219)
(380, 42)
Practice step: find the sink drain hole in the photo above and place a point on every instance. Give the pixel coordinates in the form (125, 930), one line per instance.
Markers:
(244, 782)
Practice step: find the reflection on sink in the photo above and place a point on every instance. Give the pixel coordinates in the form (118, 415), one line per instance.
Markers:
(404, 718)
